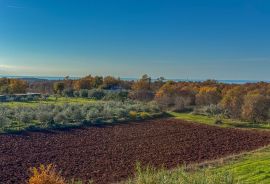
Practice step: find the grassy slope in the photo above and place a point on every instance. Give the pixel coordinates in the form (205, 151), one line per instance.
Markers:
(250, 168)
(211, 121)
(50, 100)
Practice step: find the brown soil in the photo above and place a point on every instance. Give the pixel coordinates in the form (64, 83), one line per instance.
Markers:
(108, 154)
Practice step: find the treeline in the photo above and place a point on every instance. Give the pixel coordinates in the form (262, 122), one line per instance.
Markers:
(12, 86)
(69, 86)
(246, 101)
(249, 101)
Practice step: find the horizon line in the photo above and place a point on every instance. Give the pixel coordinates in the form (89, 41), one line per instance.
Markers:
(132, 78)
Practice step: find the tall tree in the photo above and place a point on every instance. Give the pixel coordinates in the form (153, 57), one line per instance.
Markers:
(58, 87)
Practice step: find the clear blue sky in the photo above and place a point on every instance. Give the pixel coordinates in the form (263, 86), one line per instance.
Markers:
(195, 39)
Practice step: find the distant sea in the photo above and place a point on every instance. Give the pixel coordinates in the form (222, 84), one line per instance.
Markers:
(177, 80)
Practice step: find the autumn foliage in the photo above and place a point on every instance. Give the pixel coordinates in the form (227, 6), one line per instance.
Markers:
(244, 101)
(208, 95)
(176, 96)
(45, 174)
(248, 101)
(255, 107)
(233, 101)
(12, 86)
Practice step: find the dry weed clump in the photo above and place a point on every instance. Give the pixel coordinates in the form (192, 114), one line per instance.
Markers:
(45, 174)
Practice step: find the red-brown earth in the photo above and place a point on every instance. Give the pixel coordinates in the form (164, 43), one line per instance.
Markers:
(108, 154)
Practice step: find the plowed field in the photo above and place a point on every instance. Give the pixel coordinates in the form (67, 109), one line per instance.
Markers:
(108, 154)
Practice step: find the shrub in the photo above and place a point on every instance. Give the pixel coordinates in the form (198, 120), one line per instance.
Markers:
(76, 94)
(83, 93)
(4, 122)
(180, 103)
(213, 110)
(92, 113)
(144, 115)
(45, 175)
(152, 107)
(209, 110)
(107, 111)
(80, 182)
(75, 114)
(60, 118)
(44, 116)
(208, 95)
(11, 99)
(165, 102)
(218, 120)
(175, 103)
(150, 175)
(233, 101)
(97, 94)
(142, 95)
(32, 98)
(44, 97)
(25, 117)
(133, 114)
(120, 112)
(68, 92)
(117, 96)
(36, 98)
(256, 107)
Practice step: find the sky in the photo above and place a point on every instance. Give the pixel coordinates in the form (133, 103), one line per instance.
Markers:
(188, 39)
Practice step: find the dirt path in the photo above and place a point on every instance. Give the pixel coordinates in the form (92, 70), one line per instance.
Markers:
(108, 154)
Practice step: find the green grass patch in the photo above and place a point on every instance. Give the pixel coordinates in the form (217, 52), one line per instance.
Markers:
(150, 175)
(248, 168)
(51, 100)
(209, 120)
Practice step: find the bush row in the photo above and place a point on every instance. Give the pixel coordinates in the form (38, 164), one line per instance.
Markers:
(250, 111)
(26, 98)
(45, 116)
(97, 94)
